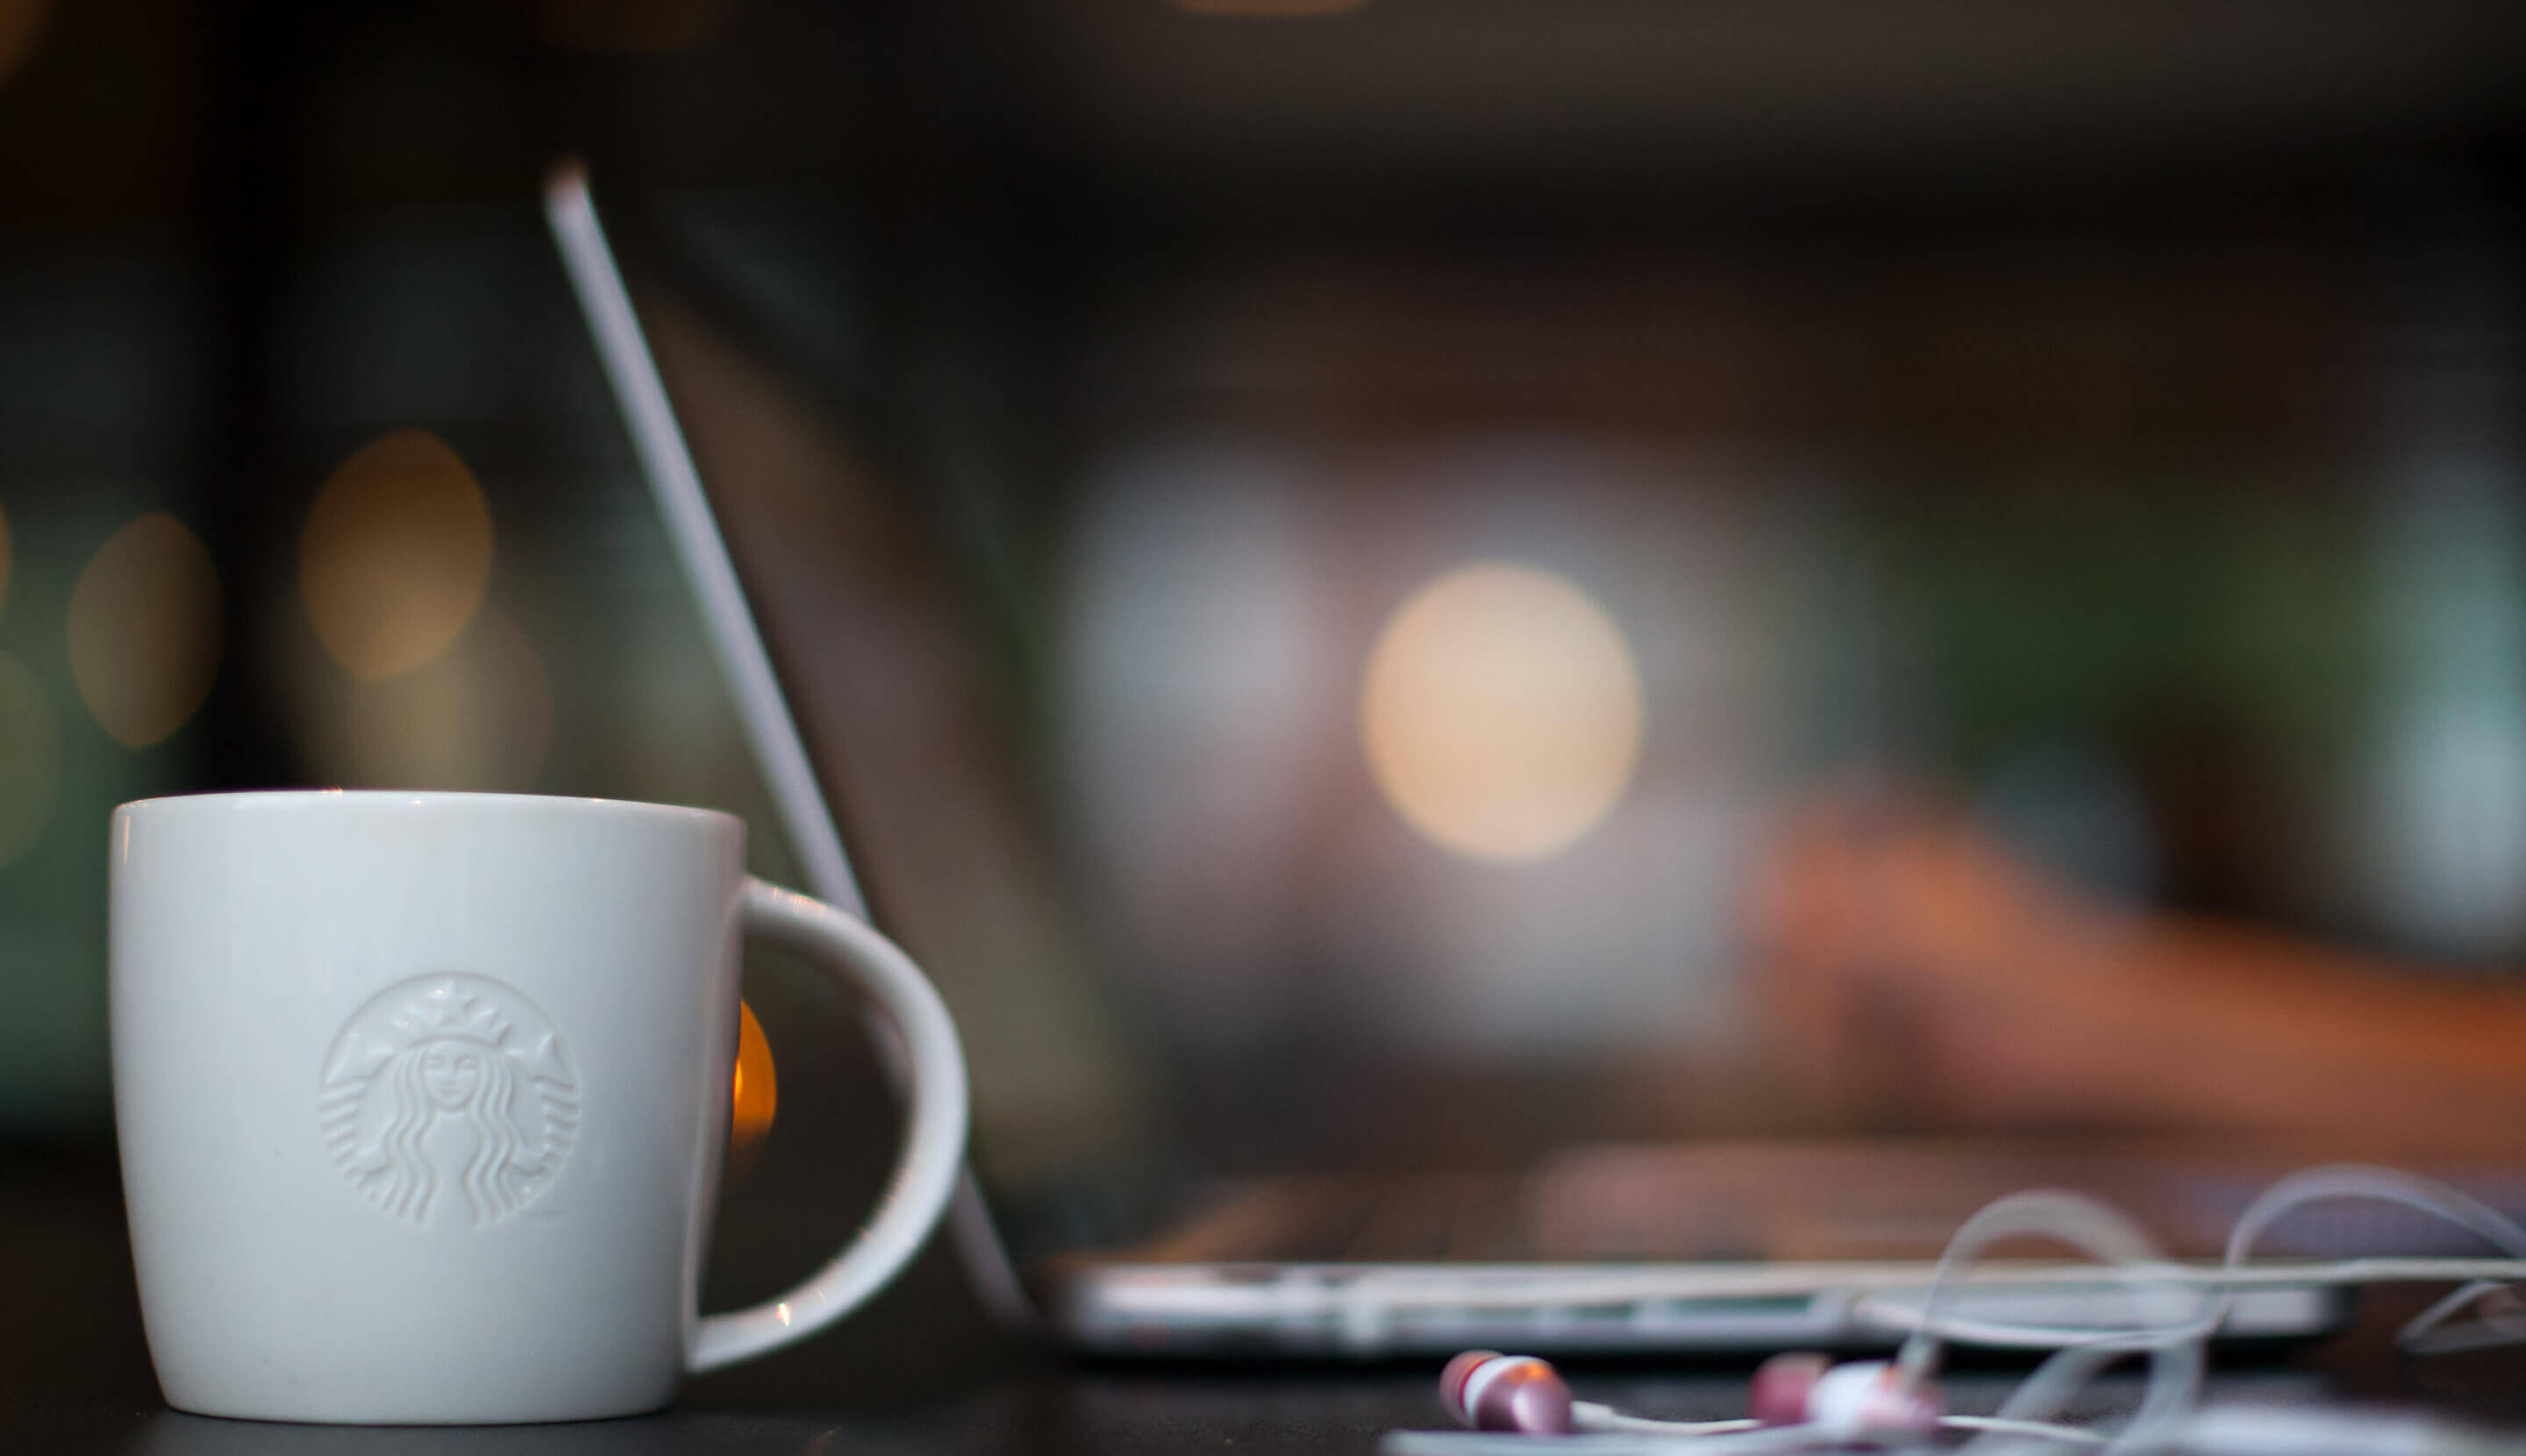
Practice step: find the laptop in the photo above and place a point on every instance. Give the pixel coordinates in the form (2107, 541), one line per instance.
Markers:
(864, 704)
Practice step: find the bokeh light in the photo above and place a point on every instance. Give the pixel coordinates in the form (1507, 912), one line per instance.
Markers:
(1502, 712)
(478, 717)
(21, 24)
(396, 555)
(144, 630)
(756, 1093)
(31, 762)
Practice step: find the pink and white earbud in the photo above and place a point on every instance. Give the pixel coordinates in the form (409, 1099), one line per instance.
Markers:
(1491, 1391)
(1861, 1400)
(1845, 1402)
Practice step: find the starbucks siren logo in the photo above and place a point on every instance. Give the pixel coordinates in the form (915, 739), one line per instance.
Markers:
(450, 1084)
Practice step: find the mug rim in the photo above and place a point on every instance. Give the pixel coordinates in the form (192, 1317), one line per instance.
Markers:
(419, 799)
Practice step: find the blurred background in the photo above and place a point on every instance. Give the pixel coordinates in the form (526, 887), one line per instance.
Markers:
(1678, 569)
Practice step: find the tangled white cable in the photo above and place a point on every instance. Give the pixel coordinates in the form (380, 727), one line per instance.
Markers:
(1801, 1402)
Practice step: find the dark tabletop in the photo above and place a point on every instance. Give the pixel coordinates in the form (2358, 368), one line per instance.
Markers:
(921, 1371)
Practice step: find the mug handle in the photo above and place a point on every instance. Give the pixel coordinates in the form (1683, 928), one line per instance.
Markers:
(934, 1142)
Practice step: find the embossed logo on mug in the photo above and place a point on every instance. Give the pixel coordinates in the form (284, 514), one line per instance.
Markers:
(449, 1085)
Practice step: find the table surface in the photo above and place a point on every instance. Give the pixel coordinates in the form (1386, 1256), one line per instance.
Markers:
(921, 1371)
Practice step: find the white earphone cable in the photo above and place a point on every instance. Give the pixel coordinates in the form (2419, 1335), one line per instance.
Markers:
(2174, 1311)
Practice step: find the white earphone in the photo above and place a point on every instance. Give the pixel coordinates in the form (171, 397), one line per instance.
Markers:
(1804, 1401)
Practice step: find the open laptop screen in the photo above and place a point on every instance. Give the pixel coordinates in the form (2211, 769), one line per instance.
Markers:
(881, 677)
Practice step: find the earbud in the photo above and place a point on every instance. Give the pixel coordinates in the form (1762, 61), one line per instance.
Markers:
(1864, 1397)
(1783, 1385)
(1861, 1400)
(1491, 1391)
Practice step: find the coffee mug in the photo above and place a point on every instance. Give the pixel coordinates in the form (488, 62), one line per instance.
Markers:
(421, 1100)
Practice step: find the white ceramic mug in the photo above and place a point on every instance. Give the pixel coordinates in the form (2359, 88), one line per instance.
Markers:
(421, 1099)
